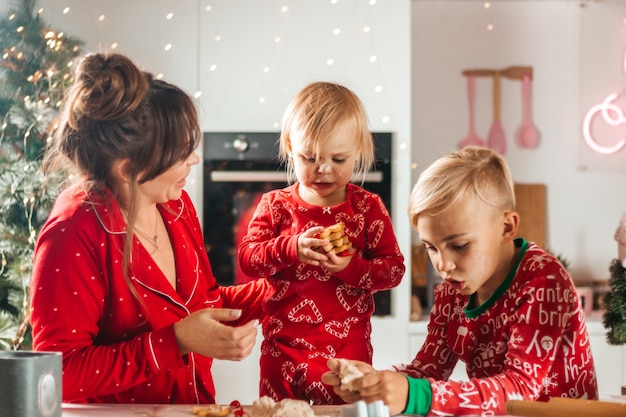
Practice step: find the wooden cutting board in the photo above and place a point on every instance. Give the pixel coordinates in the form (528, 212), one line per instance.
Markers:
(532, 208)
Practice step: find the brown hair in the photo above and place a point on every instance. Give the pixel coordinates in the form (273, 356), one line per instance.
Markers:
(470, 172)
(316, 111)
(115, 111)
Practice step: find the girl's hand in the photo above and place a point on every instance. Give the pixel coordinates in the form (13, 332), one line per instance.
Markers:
(308, 242)
(336, 263)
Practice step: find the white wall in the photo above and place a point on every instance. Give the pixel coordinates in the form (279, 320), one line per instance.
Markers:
(232, 92)
(576, 50)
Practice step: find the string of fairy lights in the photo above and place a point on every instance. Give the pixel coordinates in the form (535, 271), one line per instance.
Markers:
(211, 60)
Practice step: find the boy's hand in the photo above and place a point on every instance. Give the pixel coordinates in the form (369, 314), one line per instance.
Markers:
(333, 378)
(390, 387)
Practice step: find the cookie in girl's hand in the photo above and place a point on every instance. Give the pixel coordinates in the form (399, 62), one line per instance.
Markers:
(338, 241)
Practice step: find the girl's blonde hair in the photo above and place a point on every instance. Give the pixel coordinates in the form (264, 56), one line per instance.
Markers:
(316, 112)
(468, 173)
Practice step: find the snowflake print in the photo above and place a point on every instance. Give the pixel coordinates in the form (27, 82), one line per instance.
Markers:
(442, 392)
(538, 262)
(458, 310)
(549, 382)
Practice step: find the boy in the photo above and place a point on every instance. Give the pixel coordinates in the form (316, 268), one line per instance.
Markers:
(506, 308)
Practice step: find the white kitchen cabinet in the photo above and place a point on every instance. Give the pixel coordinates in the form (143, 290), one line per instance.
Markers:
(610, 360)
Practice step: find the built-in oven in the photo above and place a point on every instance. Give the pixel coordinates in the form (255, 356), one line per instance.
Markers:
(238, 168)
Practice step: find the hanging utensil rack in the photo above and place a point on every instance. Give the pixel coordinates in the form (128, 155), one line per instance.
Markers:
(497, 138)
(513, 73)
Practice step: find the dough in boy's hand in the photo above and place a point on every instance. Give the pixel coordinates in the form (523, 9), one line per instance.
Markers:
(338, 241)
(348, 374)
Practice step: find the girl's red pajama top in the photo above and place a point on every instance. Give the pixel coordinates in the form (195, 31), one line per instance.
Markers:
(313, 314)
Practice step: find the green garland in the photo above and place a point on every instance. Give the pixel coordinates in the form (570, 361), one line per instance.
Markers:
(35, 70)
(614, 318)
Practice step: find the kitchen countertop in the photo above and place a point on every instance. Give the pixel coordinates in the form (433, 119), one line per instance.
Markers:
(159, 410)
(164, 410)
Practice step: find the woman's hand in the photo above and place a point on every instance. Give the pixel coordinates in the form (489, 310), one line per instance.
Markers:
(201, 332)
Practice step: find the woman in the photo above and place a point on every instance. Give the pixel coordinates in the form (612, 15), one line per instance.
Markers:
(121, 282)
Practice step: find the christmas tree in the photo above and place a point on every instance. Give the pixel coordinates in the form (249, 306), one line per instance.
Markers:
(614, 318)
(35, 69)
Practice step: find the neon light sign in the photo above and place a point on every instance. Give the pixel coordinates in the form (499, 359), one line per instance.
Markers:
(612, 115)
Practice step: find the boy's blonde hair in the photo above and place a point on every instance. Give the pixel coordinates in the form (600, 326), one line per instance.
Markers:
(470, 172)
(314, 114)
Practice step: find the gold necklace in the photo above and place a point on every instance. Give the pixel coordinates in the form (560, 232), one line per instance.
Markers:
(152, 239)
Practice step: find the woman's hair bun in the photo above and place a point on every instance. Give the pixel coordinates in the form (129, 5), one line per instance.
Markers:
(108, 87)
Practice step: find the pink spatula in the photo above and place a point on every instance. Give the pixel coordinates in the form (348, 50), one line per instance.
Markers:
(527, 134)
(472, 138)
(496, 139)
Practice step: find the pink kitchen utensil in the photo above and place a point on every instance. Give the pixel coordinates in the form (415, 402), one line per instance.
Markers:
(472, 138)
(496, 139)
(527, 133)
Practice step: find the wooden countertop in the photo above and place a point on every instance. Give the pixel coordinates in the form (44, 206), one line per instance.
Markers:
(164, 410)
(159, 410)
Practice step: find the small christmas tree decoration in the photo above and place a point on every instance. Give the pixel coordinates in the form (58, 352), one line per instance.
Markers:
(35, 69)
(615, 305)
(614, 319)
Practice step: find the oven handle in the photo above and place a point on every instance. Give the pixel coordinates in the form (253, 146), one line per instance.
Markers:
(265, 176)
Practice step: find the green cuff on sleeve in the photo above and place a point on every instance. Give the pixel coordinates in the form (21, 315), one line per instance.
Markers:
(420, 396)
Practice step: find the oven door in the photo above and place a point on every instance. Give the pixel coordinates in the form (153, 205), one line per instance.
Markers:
(230, 198)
